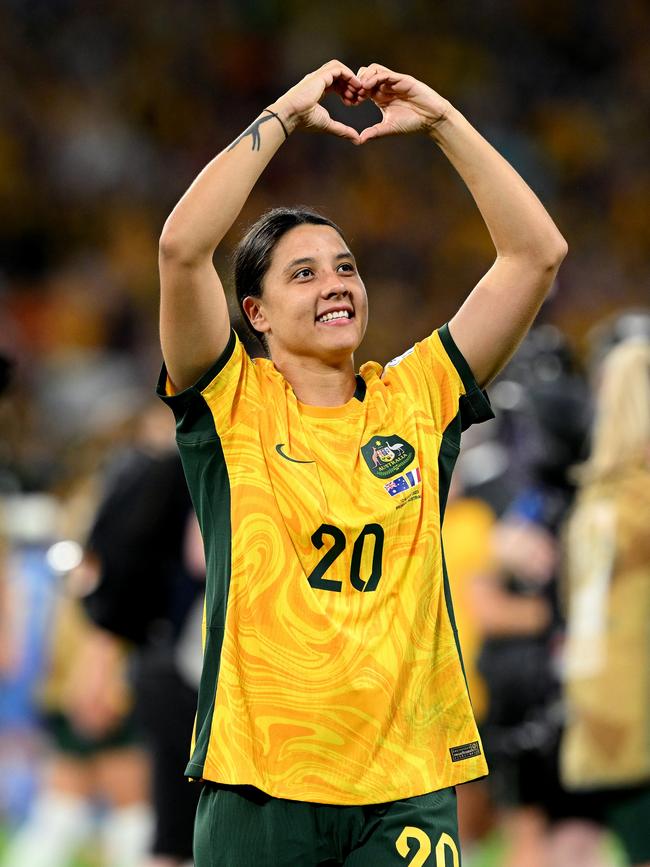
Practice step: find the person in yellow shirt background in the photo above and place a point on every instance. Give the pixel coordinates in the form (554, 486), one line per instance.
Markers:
(605, 754)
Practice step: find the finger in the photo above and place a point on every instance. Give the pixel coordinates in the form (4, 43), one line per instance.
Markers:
(367, 74)
(373, 69)
(342, 87)
(349, 94)
(377, 131)
(345, 89)
(375, 72)
(338, 70)
(346, 86)
(343, 131)
(353, 100)
(386, 81)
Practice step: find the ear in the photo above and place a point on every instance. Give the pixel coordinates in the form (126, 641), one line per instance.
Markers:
(253, 309)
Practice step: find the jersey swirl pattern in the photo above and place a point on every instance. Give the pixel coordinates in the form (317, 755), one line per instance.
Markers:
(332, 670)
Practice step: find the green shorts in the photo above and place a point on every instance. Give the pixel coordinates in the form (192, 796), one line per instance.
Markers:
(76, 745)
(239, 826)
(627, 814)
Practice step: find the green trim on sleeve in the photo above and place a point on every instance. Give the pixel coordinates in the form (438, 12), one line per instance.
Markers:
(474, 404)
(208, 481)
(193, 417)
(447, 457)
(457, 358)
(205, 380)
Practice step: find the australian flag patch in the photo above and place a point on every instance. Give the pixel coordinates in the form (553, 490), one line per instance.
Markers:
(404, 482)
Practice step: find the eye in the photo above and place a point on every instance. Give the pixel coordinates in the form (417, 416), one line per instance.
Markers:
(304, 273)
(347, 267)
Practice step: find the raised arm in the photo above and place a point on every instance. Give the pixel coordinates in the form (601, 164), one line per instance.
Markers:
(194, 320)
(529, 248)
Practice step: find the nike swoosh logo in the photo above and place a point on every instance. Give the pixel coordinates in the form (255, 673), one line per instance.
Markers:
(278, 449)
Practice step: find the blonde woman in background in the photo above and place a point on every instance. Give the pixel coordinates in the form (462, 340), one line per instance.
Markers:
(606, 746)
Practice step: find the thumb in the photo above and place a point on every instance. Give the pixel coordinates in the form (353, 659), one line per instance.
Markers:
(377, 131)
(340, 129)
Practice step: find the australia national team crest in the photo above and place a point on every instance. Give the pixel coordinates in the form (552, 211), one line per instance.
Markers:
(387, 456)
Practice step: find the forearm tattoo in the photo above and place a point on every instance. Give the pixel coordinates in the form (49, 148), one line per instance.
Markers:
(254, 132)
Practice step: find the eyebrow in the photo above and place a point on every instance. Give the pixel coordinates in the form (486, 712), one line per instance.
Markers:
(309, 260)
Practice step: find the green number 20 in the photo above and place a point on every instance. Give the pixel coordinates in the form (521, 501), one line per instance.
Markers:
(317, 579)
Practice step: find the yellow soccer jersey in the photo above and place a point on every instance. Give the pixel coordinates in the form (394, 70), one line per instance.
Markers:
(332, 671)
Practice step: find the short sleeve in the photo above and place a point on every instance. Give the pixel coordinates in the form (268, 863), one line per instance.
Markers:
(437, 377)
(210, 405)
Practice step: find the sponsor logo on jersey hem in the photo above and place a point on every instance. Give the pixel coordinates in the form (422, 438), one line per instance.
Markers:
(386, 456)
(279, 448)
(465, 751)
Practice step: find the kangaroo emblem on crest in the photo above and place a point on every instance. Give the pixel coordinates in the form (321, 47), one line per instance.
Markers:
(387, 456)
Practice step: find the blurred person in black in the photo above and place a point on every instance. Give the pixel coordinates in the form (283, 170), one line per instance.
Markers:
(544, 417)
(605, 752)
(147, 597)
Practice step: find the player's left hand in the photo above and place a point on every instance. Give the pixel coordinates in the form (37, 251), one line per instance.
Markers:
(407, 105)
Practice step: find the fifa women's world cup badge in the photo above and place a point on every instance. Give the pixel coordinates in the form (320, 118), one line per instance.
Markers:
(387, 456)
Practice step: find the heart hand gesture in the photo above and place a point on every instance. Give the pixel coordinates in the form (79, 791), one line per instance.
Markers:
(406, 104)
(300, 106)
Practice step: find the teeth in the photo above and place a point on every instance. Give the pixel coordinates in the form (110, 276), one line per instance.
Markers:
(338, 314)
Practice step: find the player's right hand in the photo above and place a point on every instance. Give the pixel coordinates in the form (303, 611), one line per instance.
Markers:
(300, 106)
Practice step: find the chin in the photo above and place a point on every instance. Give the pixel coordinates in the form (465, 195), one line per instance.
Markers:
(336, 350)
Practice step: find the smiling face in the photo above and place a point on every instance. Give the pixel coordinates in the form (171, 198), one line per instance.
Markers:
(313, 300)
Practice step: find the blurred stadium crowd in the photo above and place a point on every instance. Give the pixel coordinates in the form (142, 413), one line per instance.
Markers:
(108, 111)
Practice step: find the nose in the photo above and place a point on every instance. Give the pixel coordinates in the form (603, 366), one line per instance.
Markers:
(335, 288)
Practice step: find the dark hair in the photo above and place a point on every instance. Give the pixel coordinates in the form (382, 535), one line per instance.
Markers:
(252, 256)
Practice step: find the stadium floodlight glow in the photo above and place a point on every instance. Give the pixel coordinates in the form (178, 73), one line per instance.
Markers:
(64, 556)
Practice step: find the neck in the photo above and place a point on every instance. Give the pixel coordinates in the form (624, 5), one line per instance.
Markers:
(317, 383)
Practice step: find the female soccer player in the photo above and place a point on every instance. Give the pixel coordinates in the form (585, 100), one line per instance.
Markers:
(333, 718)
